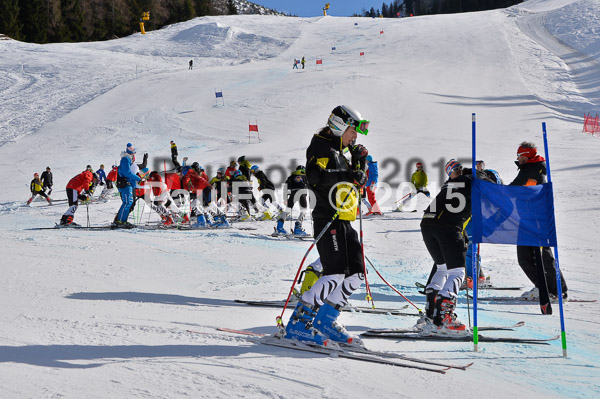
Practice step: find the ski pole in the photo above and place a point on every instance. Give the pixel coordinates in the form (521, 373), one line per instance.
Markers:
(389, 285)
(369, 297)
(87, 207)
(335, 216)
(403, 198)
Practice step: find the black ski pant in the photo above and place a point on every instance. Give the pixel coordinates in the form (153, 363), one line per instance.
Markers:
(446, 243)
(339, 248)
(527, 261)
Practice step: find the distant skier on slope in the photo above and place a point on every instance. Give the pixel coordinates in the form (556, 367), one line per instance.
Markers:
(46, 178)
(36, 188)
(419, 180)
(332, 179)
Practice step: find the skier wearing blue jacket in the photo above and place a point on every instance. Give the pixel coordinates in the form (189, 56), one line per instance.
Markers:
(126, 181)
(101, 175)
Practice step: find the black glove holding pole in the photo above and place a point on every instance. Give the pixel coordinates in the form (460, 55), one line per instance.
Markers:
(359, 156)
(359, 162)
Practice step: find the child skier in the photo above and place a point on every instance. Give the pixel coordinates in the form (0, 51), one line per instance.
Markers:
(419, 180)
(36, 188)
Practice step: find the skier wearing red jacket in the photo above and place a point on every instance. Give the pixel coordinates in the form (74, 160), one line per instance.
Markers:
(77, 189)
(195, 184)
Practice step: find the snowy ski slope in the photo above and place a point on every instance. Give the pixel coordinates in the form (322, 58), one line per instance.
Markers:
(101, 314)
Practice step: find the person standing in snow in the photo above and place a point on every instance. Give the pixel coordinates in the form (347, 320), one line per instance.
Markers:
(295, 64)
(36, 188)
(101, 175)
(532, 171)
(442, 228)
(371, 187)
(78, 189)
(110, 181)
(419, 180)
(231, 169)
(297, 189)
(333, 179)
(126, 181)
(303, 62)
(46, 178)
(174, 154)
(494, 176)
(242, 195)
(191, 64)
(267, 189)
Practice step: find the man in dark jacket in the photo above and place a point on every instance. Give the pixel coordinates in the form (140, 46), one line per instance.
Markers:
(442, 227)
(532, 171)
(332, 178)
(46, 178)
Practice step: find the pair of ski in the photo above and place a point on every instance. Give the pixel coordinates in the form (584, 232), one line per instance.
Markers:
(417, 334)
(480, 287)
(354, 352)
(348, 308)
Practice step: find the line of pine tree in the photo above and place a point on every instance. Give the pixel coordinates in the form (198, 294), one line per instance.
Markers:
(52, 21)
(428, 7)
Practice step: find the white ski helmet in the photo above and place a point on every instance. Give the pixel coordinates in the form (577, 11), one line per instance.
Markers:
(344, 116)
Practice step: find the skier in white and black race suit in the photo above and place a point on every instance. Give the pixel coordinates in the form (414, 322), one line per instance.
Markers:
(443, 232)
(332, 178)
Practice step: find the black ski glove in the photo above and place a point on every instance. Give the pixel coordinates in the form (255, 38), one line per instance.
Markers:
(359, 155)
(360, 177)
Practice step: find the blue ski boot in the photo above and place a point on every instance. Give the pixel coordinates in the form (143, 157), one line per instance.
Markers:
(280, 230)
(201, 222)
(325, 322)
(300, 326)
(299, 231)
(221, 222)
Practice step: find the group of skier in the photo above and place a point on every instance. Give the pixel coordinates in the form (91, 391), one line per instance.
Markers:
(336, 182)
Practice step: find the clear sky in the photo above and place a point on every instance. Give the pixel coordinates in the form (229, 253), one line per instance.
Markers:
(314, 8)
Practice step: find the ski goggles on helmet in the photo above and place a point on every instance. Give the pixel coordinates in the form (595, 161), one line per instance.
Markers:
(361, 127)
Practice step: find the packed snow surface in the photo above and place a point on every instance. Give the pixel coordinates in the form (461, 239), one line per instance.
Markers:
(104, 313)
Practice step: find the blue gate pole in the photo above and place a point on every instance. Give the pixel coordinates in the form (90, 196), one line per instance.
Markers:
(558, 279)
(473, 250)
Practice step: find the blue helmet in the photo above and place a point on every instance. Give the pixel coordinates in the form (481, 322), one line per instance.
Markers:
(369, 158)
(237, 173)
(254, 168)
